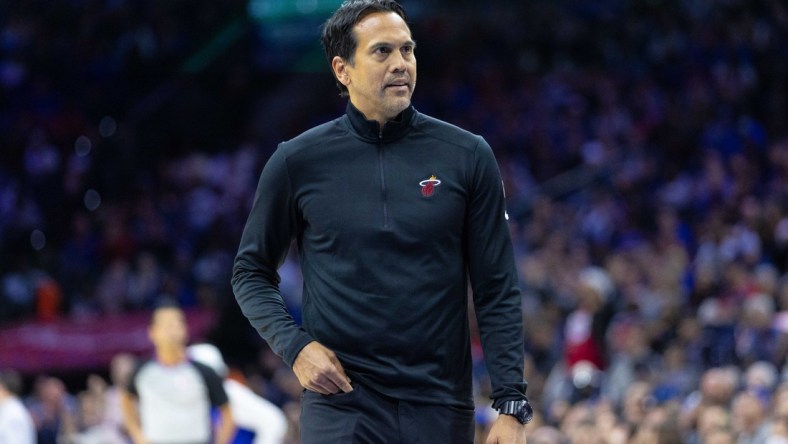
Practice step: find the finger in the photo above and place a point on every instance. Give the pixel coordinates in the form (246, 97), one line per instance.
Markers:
(317, 389)
(330, 383)
(344, 385)
(340, 379)
(325, 384)
(313, 383)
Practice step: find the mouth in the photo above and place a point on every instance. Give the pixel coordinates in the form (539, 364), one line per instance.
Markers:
(398, 85)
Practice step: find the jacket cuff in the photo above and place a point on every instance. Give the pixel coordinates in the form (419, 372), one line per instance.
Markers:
(516, 393)
(300, 341)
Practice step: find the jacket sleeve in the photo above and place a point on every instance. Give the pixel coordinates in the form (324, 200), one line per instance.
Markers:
(264, 245)
(493, 276)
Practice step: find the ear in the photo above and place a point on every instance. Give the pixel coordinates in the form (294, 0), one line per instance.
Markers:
(340, 68)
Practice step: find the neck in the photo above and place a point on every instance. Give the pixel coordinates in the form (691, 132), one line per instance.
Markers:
(380, 119)
(170, 356)
(373, 131)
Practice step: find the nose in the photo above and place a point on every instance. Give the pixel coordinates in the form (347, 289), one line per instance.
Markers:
(398, 63)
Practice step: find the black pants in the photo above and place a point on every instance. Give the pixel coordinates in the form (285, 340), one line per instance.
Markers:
(365, 416)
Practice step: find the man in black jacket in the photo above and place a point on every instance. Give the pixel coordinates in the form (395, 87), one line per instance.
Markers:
(393, 212)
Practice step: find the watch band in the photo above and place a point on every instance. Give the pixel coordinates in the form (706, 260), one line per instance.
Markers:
(510, 408)
(521, 410)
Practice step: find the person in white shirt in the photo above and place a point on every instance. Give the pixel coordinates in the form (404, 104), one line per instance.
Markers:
(16, 424)
(170, 398)
(251, 412)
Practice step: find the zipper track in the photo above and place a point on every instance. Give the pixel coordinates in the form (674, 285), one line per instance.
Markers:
(383, 183)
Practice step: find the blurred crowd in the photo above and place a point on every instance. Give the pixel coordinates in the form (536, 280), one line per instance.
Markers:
(643, 145)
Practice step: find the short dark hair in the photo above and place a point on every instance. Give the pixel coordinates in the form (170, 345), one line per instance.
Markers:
(163, 303)
(337, 34)
(11, 380)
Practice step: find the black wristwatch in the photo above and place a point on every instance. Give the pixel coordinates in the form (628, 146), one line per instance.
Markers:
(521, 410)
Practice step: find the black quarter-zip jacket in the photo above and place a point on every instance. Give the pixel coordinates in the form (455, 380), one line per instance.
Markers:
(391, 224)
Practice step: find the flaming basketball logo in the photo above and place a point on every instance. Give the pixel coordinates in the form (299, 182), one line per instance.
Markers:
(428, 185)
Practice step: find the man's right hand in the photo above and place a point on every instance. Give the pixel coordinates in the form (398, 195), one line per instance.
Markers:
(318, 369)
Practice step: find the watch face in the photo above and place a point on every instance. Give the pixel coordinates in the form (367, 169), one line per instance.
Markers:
(521, 410)
(527, 413)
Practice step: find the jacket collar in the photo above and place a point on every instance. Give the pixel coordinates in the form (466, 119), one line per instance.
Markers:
(370, 130)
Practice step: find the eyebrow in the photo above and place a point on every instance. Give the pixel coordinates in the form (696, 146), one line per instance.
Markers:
(377, 45)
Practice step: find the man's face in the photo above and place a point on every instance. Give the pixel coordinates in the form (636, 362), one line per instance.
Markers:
(168, 328)
(382, 77)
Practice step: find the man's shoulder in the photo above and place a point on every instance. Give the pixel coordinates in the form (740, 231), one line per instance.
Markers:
(142, 368)
(316, 135)
(153, 369)
(205, 371)
(446, 132)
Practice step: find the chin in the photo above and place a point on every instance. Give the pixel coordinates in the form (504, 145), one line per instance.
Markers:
(400, 105)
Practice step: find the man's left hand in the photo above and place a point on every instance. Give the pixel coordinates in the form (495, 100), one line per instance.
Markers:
(506, 430)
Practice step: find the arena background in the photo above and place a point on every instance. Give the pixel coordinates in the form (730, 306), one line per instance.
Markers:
(643, 145)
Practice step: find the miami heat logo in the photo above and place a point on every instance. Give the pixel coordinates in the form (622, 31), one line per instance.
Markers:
(428, 185)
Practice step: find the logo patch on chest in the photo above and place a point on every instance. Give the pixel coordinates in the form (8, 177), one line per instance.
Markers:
(428, 185)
